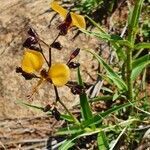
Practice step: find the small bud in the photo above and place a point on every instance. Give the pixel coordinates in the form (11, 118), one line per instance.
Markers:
(73, 65)
(56, 114)
(30, 41)
(44, 73)
(19, 70)
(47, 108)
(74, 53)
(35, 48)
(56, 45)
(32, 32)
(26, 75)
(78, 89)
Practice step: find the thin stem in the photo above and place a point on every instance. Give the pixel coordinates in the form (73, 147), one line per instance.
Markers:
(50, 52)
(43, 54)
(50, 57)
(129, 71)
(67, 110)
(43, 42)
(56, 38)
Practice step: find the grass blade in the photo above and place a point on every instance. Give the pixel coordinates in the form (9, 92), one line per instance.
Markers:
(139, 64)
(102, 141)
(142, 46)
(111, 74)
(100, 116)
(116, 141)
(85, 106)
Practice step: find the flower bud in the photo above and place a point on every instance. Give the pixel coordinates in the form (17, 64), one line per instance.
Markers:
(56, 113)
(78, 89)
(73, 65)
(27, 76)
(74, 53)
(29, 41)
(47, 108)
(56, 45)
(32, 32)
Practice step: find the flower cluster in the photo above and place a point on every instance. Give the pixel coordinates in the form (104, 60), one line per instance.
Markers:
(33, 59)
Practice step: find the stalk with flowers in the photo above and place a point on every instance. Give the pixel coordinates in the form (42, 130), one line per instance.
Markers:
(89, 123)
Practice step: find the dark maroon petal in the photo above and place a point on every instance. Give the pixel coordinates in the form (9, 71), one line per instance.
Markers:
(30, 41)
(32, 32)
(56, 114)
(19, 70)
(74, 53)
(73, 65)
(56, 45)
(78, 89)
(47, 108)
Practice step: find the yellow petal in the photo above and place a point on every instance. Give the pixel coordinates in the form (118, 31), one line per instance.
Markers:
(32, 61)
(78, 20)
(56, 7)
(59, 74)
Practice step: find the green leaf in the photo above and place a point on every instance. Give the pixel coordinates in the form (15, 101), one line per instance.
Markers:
(101, 98)
(70, 130)
(135, 14)
(102, 141)
(142, 46)
(66, 117)
(138, 65)
(66, 145)
(110, 72)
(85, 106)
(124, 43)
(119, 50)
(133, 20)
(97, 130)
(118, 82)
(30, 105)
(104, 36)
(111, 38)
(96, 24)
(99, 117)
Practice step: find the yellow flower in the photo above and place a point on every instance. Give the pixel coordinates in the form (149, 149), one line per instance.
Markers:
(77, 20)
(59, 74)
(32, 61)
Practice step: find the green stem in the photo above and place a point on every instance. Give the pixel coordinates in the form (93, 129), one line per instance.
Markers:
(67, 110)
(129, 71)
(132, 31)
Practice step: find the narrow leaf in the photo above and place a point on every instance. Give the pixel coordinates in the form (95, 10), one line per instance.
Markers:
(69, 130)
(102, 141)
(111, 73)
(66, 145)
(30, 105)
(139, 64)
(142, 46)
(85, 107)
(99, 117)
